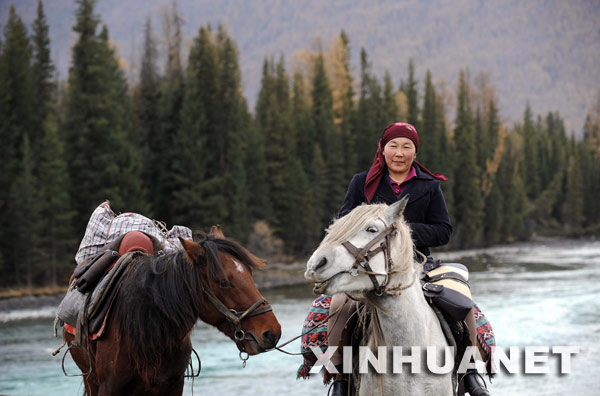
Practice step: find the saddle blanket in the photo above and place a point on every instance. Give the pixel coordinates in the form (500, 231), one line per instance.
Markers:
(319, 312)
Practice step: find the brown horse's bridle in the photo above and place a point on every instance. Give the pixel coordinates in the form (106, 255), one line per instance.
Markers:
(235, 318)
(362, 257)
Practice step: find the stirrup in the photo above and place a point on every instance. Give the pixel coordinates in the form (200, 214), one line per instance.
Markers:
(339, 387)
(475, 386)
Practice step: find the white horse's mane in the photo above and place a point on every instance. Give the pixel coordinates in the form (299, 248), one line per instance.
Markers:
(343, 229)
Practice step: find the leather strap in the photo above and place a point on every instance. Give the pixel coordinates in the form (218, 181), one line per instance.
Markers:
(362, 256)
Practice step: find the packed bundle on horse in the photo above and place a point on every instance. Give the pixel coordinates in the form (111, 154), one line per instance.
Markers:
(147, 288)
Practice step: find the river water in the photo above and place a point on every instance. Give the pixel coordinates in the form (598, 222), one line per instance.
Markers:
(534, 294)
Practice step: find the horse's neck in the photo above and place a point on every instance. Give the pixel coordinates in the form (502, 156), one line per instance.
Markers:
(407, 319)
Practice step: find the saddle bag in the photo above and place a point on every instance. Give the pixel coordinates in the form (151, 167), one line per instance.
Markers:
(447, 286)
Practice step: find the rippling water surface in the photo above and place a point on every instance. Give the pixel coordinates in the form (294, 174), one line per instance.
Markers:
(534, 294)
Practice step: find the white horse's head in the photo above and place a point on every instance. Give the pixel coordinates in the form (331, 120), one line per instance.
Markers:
(331, 265)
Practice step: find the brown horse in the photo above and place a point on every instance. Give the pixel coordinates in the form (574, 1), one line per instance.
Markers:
(146, 346)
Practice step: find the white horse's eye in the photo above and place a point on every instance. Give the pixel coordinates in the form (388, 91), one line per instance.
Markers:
(371, 229)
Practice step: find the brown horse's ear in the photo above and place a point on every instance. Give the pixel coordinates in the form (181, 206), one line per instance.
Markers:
(192, 250)
(216, 231)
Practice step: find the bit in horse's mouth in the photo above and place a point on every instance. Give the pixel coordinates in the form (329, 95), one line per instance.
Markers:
(320, 286)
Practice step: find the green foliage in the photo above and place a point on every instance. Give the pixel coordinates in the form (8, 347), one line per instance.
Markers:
(412, 95)
(146, 129)
(530, 171)
(368, 126)
(467, 195)
(102, 161)
(16, 120)
(348, 117)
(389, 109)
(429, 137)
(210, 179)
(42, 69)
(182, 146)
(25, 214)
(329, 140)
(56, 214)
(162, 146)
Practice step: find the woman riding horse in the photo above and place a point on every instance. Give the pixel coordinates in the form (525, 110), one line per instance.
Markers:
(394, 174)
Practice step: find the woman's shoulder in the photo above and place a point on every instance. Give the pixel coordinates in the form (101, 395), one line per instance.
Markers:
(361, 176)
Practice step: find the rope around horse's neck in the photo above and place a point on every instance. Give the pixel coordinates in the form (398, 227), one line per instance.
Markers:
(397, 290)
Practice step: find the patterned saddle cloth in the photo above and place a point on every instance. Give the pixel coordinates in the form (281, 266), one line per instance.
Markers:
(317, 336)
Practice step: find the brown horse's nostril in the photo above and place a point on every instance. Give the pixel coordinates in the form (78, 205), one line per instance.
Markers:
(270, 339)
(321, 263)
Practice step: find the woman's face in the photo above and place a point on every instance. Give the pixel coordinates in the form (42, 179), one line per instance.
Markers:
(399, 155)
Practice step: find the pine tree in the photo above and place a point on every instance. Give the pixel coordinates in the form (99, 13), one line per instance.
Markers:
(413, 97)
(390, 110)
(163, 146)
(124, 179)
(481, 141)
(231, 124)
(57, 239)
(16, 119)
(256, 160)
(43, 70)
(318, 178)
(305, 217)
(514, 199)
(572, 207)
(368, 126)
(467, 209)
(196, 169)
(25, 212)
(302, 123)
(428, 134)
(146, 100)
(348, 116)
(102, 163)
(329, 141)
(529, 171)
(444, 162)
(492, 128)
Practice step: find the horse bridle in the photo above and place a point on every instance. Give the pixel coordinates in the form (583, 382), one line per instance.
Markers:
(235, 318)
(362, 256)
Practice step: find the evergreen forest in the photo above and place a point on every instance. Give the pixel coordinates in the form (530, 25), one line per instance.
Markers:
(182, 146)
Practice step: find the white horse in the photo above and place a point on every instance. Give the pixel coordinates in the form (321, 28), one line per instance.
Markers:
(386, 277)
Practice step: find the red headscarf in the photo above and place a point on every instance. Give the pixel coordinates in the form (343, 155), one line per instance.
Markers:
(399, 129)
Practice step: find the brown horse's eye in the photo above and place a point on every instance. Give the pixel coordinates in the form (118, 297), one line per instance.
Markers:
(225, 283)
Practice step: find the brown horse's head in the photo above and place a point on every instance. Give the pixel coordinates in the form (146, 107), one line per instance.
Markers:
(227, 270)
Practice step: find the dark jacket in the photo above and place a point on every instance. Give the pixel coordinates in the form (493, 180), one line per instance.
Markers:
(426, 211)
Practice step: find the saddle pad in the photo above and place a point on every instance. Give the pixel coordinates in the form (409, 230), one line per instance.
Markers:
(319, 311)
(486, 338)
(317, 337)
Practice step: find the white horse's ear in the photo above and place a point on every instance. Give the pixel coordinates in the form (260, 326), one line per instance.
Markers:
(395, 210)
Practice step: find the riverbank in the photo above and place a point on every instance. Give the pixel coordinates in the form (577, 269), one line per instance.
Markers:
(279, 275)
(274, 276)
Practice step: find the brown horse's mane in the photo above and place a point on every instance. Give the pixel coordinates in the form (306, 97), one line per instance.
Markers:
(160, 299)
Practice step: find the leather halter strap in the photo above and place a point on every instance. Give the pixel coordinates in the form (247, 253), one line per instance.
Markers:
(362, 256)
(235, 318)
